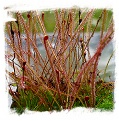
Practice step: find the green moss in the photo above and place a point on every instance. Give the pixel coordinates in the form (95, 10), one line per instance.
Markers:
(107, 103)
(29, 101)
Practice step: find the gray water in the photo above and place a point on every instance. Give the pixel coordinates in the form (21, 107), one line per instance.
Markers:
(110, 72)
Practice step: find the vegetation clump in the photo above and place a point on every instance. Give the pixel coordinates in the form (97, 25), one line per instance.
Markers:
(68, 75)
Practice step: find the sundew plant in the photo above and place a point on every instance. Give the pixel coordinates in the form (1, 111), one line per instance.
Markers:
(66, 74)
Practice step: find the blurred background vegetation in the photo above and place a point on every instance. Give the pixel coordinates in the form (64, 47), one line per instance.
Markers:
(49, 19)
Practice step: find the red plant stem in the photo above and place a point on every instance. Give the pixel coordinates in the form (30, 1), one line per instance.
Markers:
(17, 32)
(12, 33)
(43, 17)
(97, 53)
(53, 69)
(41, 24)
(79, 29)
(28, 41)
(93, 96)
(28, 37)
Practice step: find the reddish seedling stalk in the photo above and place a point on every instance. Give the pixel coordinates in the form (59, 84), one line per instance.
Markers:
(28, 42)
(23, 71)
(52, 66)
(43, 17)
